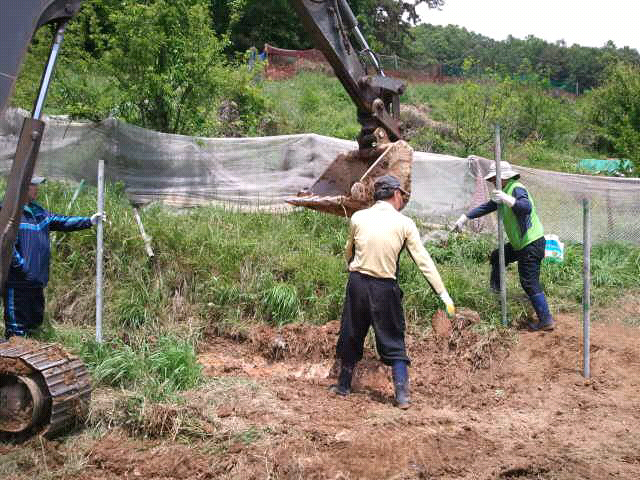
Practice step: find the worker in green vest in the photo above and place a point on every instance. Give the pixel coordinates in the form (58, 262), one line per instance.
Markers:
(526, 239)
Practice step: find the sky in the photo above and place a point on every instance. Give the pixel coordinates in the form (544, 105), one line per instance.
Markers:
(588, 23)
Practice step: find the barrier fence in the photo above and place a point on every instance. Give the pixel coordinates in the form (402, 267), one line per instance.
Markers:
(259, 173)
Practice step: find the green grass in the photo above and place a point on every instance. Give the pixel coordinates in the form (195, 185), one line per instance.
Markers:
(223, 269)
(282, 304)
(157, 368)
(312, 103)
(433, 95)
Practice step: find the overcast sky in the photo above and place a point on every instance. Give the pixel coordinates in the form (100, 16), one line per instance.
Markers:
(585, 22)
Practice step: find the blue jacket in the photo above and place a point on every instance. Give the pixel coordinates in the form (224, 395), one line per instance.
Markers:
(30, 262)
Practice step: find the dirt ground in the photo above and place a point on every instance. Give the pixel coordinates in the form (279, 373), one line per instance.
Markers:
(485, 406)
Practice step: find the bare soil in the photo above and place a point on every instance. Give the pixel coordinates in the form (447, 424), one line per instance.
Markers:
(491, 405)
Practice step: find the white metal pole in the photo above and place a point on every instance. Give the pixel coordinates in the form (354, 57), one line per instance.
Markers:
(503, 283)
(99, 253)
(586, 295)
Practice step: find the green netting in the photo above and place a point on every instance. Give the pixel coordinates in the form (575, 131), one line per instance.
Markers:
(610, 166)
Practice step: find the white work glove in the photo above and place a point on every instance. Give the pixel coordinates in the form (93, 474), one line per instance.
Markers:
(97, 216)
(460, 222)
(498, 196)
(448, 303)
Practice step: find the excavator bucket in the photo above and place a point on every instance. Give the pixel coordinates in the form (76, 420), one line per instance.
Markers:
(43, 389)
(347, 184)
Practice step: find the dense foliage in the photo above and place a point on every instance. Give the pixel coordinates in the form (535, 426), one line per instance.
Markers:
(461, 52)
(614, 112)
(156, 64)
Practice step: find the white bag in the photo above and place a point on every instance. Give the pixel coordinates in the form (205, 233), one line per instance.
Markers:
(553, 248)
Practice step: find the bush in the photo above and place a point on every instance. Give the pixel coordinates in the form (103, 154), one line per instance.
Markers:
(160, 370)
(613, 111)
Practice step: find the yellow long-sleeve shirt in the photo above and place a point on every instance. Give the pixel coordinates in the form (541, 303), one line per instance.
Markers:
(376, 238)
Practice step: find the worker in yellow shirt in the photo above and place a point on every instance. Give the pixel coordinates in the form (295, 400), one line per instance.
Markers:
(377, 236)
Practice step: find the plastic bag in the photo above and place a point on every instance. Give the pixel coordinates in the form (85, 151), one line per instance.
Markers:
(553, 249)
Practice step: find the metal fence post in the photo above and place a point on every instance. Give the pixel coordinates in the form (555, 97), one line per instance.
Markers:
(503, 283)
(99, 252)
(586, 294)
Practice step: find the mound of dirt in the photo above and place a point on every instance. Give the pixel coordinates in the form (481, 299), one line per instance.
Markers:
(301, 342)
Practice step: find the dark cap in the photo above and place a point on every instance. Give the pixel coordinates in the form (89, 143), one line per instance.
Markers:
(35, 180)
(388, 183)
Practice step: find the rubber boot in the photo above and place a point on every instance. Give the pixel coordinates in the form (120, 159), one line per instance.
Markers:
(343, 387)
(545, 320)
(400, 374)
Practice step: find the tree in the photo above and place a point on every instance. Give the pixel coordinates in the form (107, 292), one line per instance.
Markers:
(387, 23)
(263, 21)
(473, 113)
(614, 112)
(170, 65)
(451, 45)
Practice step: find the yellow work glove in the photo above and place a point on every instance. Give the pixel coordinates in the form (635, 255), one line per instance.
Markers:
(448, 303)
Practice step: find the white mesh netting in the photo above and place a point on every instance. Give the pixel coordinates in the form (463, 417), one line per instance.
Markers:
(261, 172)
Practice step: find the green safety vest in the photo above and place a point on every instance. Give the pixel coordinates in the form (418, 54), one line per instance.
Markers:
(511, 226)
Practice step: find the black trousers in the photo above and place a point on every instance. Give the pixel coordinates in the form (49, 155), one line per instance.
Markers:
(529, 259)
(376, 302)
(23, 310)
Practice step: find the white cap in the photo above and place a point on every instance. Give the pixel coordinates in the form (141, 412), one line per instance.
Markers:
(506, 172)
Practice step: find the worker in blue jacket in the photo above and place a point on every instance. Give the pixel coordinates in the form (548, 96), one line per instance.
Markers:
(29, 271)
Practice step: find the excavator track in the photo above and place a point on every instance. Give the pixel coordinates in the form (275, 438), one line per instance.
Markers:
(43, 389)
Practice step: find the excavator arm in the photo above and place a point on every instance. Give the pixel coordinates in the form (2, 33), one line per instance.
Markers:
(331, 25)
(18, 23)
(347, 184)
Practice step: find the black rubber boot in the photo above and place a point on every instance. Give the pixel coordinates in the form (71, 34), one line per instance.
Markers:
(402, 399)
(400, 374)
(343, 387)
